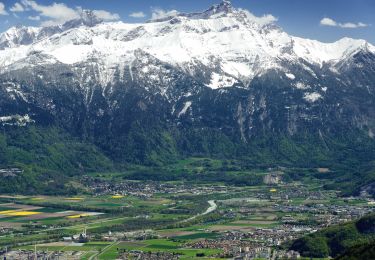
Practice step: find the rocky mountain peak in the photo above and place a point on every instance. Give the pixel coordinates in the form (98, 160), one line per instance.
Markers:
(224, 7)
(87, 18)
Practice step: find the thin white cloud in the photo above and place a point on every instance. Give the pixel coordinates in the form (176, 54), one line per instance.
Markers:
(158, 13)
(2, 9)
(353, 25)
(328, 22)
(262, 20)
(17, 7)
(34, 18)
(350, 25)
(137, 15)
(59, 13)
(106, 16)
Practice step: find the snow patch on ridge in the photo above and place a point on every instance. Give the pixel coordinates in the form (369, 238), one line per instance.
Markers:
(16, 120)
(185, 108)
(221, 81)
(318, 52)
(301, 85)
(290, 76)
(312, 97)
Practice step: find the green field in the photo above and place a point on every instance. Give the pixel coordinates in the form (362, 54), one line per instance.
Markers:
(162, 222)
(166, 246)
(196, 236)
(111, 250)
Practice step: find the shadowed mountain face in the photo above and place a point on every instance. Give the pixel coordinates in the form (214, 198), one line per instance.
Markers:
(214, 83)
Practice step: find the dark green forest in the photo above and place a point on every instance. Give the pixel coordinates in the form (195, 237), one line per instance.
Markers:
(50, 157)
(342, 241)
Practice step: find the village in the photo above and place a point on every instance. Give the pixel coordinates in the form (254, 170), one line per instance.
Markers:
(249, 223)
(147, 189)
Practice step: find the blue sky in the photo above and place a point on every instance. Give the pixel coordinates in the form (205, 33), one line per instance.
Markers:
(324, 20)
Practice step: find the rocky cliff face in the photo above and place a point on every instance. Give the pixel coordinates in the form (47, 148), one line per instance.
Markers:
(176, 83)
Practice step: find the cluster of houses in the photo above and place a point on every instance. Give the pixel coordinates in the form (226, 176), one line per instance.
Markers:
(40, 255)
(255, 244)
(324, 214)
(5, 230)
(79, 238)
(10, 172)
(135, 254)
(146, 189)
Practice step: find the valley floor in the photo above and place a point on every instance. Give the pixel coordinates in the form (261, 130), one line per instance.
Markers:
(116, 218)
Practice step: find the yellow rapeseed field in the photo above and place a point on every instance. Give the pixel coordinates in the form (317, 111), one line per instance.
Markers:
(78, 216)
(117, 197)
(75, 198)
(15, 213)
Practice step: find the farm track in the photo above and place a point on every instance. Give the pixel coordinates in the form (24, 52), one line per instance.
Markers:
(103, 251)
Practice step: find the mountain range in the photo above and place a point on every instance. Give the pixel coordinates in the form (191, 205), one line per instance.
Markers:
(92, 95)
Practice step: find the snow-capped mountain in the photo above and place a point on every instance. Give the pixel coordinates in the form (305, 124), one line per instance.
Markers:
(222, 69)
(227, 41)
